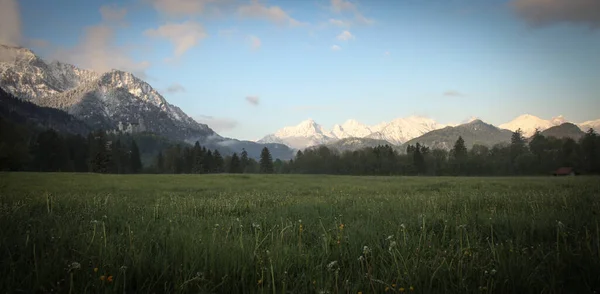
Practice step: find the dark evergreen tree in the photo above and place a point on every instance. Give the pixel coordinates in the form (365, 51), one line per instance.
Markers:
(198, 154)
(99, 152)
(419, 159)
(589, 148)
(160, 163)
(235, 166)
(244, 161)
(266, 161)
(459, 156)
(136, 161)
(209, 165)
(218, 162)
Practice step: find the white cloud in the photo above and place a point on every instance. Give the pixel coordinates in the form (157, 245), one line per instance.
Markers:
(98, 51)
(336, 48)
(339, 22)
(216, 123)
(254, 100)
(254, 42)
(183, 36)
(345, 36)
(387, 53)
(175, 88)
(545, 12)
(10, 23)
(274, 14)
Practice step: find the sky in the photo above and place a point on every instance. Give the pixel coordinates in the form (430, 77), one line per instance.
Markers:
(250, 67)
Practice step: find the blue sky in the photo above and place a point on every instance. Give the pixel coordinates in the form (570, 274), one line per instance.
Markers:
(248, 68)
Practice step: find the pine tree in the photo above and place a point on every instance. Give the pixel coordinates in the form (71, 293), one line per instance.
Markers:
(419, 159)
(459, 156)
(244, 161)
(234, 164)
(266, 161)
(589, 148)
(136, 162)
(208, 162)
(198, 155)
(218, 162)
(99, 153)
(160, 163)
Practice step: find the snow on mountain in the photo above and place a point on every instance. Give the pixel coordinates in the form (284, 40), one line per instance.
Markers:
(559, 120)
(528, 124)
(309, 133)
(351, 129)
(306, 133)
(101, 100)
(27, 76)
(401, 130)
(590, 124)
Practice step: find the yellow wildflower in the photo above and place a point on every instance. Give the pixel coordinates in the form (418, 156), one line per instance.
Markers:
(260, 282)
(301, 228)
(401, 289)
(341, 227)
(102, 278)
(411, 288)
(95, 269)
(359, 292)
(387, 289)
(393, 285)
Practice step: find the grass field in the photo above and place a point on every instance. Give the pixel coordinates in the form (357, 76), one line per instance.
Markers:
(84, 233)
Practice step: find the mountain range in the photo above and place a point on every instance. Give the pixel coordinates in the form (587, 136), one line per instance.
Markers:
(112, 101)
(413, 129)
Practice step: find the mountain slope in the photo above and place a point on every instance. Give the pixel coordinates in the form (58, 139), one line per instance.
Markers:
(119, 97)
(566, 130)
(353, 144)
(22, 112)
(475, 132)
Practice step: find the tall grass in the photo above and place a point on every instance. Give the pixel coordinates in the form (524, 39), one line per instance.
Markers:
(83, 233)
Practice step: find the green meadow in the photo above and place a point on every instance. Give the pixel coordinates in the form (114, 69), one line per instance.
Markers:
(90, 233)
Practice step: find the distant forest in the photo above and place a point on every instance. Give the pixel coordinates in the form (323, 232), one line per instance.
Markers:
(41, 139)
(51, 151)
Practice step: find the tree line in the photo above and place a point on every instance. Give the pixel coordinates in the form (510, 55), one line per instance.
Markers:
(197, 159)
(49, 151)
(22, 149)
(539, 155)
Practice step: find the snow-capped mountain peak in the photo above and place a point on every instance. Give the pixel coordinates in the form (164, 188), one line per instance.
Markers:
(351, 128)
(307, 128)
(558, 120)
(528, 124)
